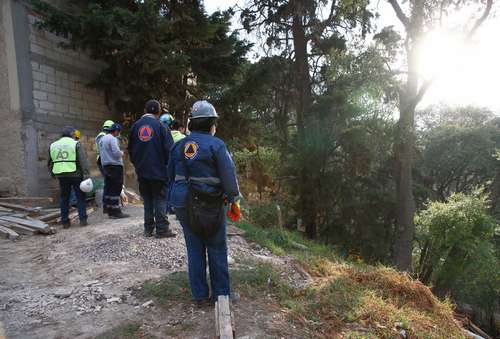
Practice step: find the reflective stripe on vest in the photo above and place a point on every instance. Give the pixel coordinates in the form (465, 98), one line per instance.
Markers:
(204, 180)
(97, 138)
(63, 155)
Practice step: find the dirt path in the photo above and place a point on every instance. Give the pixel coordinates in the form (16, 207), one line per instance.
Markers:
(79, 283)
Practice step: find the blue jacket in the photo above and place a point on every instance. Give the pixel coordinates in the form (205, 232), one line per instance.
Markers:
(209, 164)
(149, 145)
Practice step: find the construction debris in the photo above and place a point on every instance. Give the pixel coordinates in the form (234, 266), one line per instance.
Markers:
(35, 224)
(132, 197)
(28, 201)
(17, 218)
(7, 233)
(31, 210)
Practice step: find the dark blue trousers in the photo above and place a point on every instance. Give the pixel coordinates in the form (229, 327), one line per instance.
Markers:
(65, 185)
(153, 193)
(197, 251)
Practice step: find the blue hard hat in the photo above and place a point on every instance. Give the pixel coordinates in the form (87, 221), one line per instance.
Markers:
(166, 118)
(203, 109)
(115, 127)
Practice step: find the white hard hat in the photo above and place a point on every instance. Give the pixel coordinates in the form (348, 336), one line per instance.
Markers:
(87, 185)
(203, 109)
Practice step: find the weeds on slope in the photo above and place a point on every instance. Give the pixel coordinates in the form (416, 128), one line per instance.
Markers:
(354, 300)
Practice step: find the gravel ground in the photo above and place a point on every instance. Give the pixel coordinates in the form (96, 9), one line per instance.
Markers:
(80, 281)
(131, 245)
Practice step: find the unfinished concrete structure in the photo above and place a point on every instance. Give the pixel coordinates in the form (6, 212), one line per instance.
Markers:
(43, 88)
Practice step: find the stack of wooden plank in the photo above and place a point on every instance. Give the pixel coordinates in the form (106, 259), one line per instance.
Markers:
(16, 219)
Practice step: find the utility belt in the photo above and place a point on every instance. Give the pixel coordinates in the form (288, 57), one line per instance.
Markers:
(204, 180)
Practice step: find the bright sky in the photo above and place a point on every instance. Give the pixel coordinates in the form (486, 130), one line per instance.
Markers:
(467, 75)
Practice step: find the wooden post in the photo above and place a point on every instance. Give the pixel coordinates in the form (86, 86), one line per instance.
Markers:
(280, 217)
(223, 324)
(300, 225)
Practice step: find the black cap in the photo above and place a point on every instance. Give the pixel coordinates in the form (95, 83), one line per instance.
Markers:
(152, 107)
(68, 131)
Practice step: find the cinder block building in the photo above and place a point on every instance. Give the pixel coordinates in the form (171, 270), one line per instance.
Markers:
(42, 88)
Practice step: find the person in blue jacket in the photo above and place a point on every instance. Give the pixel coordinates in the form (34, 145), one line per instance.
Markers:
(200, 165)
(149, 148)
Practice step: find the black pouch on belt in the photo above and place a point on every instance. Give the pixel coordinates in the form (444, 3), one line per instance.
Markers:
(205, 212)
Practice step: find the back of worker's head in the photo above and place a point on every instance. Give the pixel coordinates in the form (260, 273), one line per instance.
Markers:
(175, 125)
(202, 124)
(153, 107)
(203, 117)
(68, 131)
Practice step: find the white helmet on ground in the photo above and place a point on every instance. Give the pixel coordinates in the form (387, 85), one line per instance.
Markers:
(87, 185)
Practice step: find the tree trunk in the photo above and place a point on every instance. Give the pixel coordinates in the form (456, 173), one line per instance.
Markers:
(405, 141)
(304, 100)
(404, 195)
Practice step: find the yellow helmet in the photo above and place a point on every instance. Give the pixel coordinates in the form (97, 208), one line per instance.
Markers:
(77, 134)
(108, 124)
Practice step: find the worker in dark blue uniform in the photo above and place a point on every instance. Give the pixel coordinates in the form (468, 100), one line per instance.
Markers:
(204, 179)
(149, 148)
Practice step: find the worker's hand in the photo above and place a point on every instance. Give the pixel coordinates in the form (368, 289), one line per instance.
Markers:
(234, 211)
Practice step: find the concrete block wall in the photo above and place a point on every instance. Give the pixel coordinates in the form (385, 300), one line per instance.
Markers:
(53, 92)
(61, 96)
(11, 144)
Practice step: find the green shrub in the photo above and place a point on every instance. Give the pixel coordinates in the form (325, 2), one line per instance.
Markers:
(456, 252)
(264, 215)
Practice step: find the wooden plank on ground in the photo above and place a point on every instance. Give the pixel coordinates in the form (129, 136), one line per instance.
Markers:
(35, 224)
(7, 233)
(22, 208)
(223, 324)
(49, 210)
(50, 216)
(28, 201)
(18, 228)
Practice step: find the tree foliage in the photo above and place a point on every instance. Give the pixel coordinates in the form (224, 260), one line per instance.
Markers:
(155, 48)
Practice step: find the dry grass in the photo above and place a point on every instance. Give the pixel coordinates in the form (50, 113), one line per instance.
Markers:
(354, 300)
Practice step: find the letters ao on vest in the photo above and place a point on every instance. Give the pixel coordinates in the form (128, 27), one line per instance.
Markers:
(63, 155)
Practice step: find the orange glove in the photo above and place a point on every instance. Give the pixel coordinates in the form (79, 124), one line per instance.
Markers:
(234, 211)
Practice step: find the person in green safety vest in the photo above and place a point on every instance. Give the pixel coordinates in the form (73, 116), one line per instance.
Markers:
(176, 129)
(107, 124)
(68, 163)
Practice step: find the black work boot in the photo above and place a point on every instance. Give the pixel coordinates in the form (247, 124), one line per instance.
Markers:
(167, 234)
(83, 222)
(204, 303)
(118, 215)
(66, 224)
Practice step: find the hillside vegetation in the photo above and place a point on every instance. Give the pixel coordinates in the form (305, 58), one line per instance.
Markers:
(354, 299)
